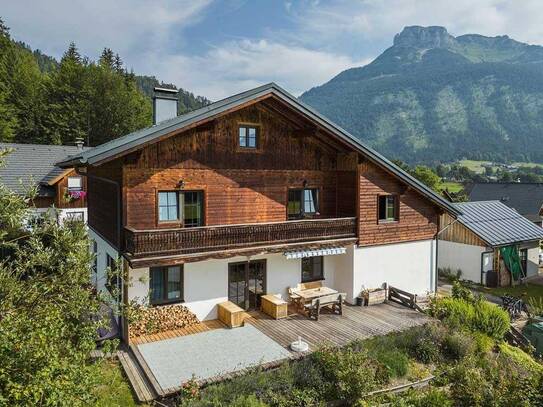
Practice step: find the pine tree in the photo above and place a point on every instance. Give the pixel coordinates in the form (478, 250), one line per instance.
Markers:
(107, 59)
(8, 120)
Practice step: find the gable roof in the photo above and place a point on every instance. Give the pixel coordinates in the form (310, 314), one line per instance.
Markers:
(34, 163)
(135, 140)
(525, 198)
(497, 224)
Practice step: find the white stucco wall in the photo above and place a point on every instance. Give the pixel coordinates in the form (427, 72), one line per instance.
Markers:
(206, 283)
(533, 258)
(408, 266)
(464, 257)
(103, 248)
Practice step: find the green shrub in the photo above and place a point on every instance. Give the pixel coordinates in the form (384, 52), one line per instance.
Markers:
(483, 342)
(458, 345)
(247, 401)
(479, 316)
(350, 373)
(385, 350)
(461, 292)
(423, 343)
(431, 397)
(520, 358)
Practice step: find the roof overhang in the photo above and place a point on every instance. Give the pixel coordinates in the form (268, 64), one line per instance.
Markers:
(124, 145)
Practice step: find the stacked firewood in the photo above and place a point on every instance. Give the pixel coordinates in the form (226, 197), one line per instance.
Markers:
(152, 320)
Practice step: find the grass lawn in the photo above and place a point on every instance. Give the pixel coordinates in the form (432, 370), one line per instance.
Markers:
(524, 291)
(452, 186)
(114, 391)
(473, 165)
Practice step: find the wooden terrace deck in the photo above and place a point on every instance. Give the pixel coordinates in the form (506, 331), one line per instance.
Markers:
(355, 323)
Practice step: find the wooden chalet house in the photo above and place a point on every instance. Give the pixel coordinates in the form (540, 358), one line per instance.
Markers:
(251, 195)
(35, 165)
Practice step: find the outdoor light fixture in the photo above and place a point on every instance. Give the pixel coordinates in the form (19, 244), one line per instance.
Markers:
(304, 183)
(181, 184)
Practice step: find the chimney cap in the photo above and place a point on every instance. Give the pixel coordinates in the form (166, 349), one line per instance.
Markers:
(79, 143)
(165, 90)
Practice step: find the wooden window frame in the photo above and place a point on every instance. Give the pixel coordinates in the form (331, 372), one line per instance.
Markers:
(258, 131)
(165, 300)
(319, 278)
(315, 214)
(396, 218)
(180, 221)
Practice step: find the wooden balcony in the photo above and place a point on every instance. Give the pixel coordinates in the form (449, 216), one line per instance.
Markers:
(180, 241)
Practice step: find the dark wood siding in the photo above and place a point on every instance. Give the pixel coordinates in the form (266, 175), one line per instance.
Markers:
(62, 187)
(241, 186)
(418, 217)
(103, 199)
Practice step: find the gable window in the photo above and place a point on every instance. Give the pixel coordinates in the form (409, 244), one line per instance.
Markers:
(388, 208)
(166, 284)
(181, 206)
(248, 136)
(303, 203)
(312, 269)
(75, 184)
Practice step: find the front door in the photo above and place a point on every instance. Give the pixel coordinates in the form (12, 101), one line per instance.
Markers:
(247, 283)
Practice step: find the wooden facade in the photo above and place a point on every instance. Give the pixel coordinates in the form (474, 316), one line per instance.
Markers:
(458, 233)
(60, 186)
(418, 217)
(249, 188)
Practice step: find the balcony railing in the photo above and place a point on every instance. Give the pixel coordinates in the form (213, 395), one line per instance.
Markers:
(141, 243)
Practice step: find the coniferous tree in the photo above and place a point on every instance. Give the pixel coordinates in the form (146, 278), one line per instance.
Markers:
(8, 120)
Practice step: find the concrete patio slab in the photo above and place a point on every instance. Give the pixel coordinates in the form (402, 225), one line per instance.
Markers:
(209, 354)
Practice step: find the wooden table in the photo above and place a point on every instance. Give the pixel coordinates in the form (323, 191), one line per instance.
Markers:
(312, 293)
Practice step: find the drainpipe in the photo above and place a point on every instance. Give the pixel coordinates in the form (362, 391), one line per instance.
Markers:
(437, 245)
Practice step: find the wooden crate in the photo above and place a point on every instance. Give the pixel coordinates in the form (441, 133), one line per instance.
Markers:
(377, 296)
(273, 306)
(230, 314)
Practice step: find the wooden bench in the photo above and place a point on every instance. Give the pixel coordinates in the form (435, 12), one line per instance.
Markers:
(230, 314)
(274, 306)
(295, 298)
(333, 301)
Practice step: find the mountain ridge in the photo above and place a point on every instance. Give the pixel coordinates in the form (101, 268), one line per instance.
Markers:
(433, 97)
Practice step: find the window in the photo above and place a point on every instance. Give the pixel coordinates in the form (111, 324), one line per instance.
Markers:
(79, 216)
(388, 208)
(75, 184)
(166, 284)
(113, 279)
(167, 206)
(248, 137)
(303, 203)
(185, 206)
(312, 269)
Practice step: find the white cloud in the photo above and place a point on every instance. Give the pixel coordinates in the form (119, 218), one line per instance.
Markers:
(240, 65)
(129, 27)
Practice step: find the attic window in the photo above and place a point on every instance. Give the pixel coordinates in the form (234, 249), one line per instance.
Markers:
(248, 136)
(388, 208)
(75, 184)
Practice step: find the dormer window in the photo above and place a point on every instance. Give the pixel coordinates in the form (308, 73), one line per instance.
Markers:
(248, 136)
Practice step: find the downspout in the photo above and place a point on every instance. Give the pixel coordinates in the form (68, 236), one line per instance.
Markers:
(437, 245)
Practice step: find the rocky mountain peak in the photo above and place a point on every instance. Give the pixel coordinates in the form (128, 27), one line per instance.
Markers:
(424, 37)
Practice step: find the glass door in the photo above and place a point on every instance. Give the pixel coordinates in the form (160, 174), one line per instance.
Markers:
(237, 284)
(247, 283)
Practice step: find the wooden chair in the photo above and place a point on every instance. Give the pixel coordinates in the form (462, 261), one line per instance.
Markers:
(295, 299)
(333, 301)
(310, 285)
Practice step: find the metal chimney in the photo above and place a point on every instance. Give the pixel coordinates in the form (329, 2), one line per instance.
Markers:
(79, 143)
(164, 104)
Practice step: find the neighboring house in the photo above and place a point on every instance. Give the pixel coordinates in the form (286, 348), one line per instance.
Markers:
(250, 195)
(33, 165)
(525, 198)
(490, 243)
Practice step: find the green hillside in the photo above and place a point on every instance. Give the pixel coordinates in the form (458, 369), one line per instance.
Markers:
(432, 97)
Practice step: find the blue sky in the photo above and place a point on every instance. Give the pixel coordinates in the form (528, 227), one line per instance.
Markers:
(216, 47)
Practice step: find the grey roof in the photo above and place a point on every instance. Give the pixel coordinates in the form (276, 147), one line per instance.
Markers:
(525, 198)
(33, 163)
(132, 141)
(497, 224)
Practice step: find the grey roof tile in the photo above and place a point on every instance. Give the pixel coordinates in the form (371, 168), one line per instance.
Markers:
(33, 164)
(497, 224)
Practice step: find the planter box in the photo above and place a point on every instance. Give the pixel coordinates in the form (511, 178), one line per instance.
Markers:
(377, 296)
